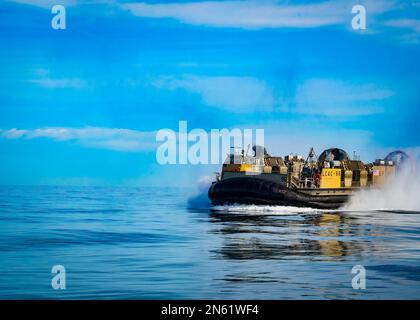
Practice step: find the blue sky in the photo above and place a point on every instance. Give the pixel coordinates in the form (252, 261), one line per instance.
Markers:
(81, 106)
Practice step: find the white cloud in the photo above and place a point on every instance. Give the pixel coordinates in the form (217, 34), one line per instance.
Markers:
(282, 137)
(49, 83)
(257, 14)
(48, 4)
(44, 80)
(94, 137)
(327, 97)
(236, 94)
(411, 24)
(12, 133)
(293, 139)
(338, 98)
(410, 27)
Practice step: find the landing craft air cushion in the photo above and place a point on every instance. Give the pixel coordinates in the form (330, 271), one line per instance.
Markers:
(325, 182)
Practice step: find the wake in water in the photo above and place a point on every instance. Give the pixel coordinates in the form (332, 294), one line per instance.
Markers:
(200, 200)
(264, 209)
(401, 193)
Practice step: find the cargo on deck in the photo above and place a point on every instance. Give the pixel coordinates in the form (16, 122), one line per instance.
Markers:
(326, 181)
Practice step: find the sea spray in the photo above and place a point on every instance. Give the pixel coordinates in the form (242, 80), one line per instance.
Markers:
(200, 199)
(401, 192)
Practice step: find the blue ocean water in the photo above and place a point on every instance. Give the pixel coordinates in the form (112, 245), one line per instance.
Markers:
(159, 243)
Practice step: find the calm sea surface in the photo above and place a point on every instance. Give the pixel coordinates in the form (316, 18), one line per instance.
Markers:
(153, 243)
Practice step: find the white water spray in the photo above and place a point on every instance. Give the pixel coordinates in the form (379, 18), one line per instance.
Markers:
(400, 193)
(200, 199)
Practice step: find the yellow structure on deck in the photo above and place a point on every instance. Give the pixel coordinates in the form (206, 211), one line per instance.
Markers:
(246, 167)
(330, 178)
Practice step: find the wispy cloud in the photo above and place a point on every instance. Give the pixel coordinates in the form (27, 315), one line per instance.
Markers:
(286, 138)
(257, 14)
(411, 24)
(49, 83)
(236, 94)
(339, 98)
(125, 140)
(48, 4)
(326, 97)
(410, 28)
(45, 80)
(254, 15)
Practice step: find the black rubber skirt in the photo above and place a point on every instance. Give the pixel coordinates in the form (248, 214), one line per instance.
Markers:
(251, 190)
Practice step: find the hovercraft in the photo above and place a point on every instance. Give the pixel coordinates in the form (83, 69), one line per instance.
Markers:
(324, 182)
